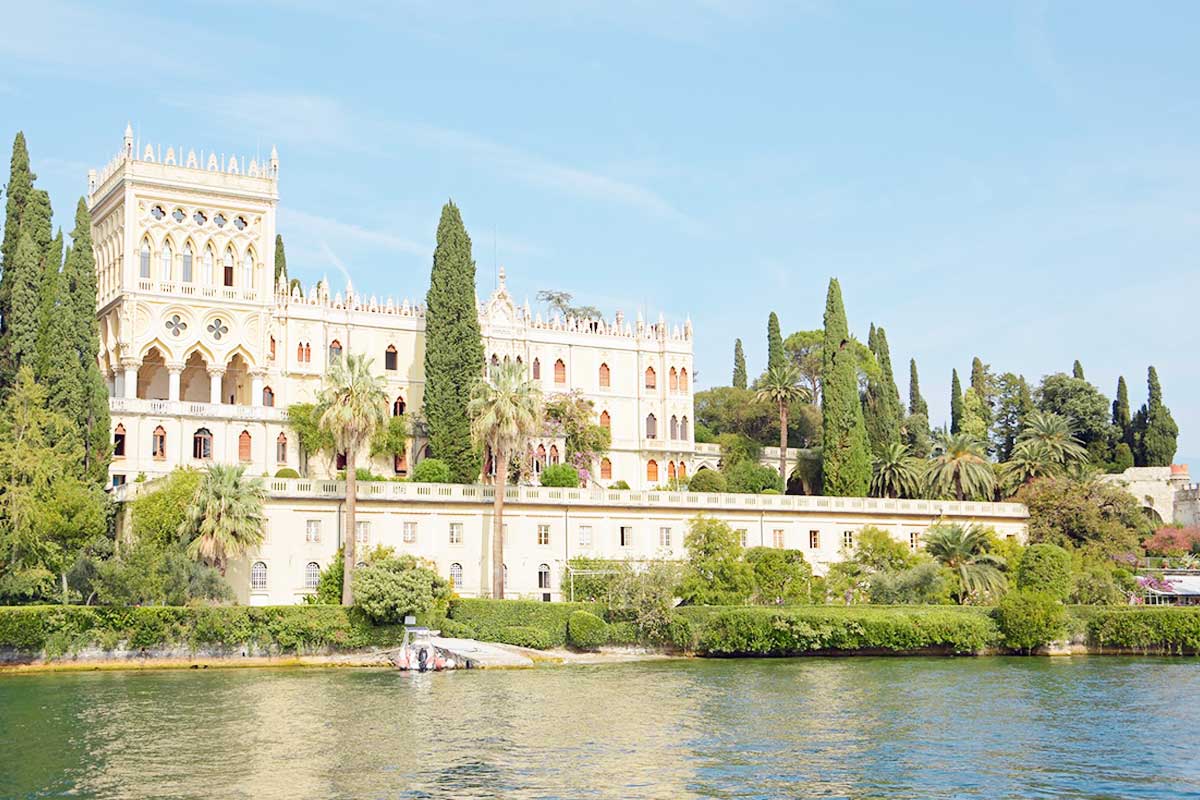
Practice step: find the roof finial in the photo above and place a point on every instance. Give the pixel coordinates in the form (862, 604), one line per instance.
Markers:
(500, 278)
(129, 140)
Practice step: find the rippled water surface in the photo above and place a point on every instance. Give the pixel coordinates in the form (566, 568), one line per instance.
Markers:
(862, 727)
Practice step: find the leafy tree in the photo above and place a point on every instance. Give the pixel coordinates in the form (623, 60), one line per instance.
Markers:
(432, 470)
(1014, 403)
(924, 583)
(846, 466)
(877, 551)
(561, 475)
(159, 512)
(781, 387)
(225, 517)
(1089, 513)
(389, 589)
(776, 357)
(572, 416)
(281, 273)
(392, 437)
(1087, 412)
(956, 403)
(715, 574)
(736, 448)
(305, 420)
(896, 473)
(739, 365)
(1157, 432)
(453, 347)
(964, 549)
(707, 480)
(645, 597)
(560, 302)
(806, 349)
(781, 577)
(505, 411)
(881, 401)
(726, 409)
(960, 469)
(1046, 568)
(353, 408)
(1030, 619)
(750, 477)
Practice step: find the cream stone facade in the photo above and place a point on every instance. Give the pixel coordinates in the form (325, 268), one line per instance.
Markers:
(204, 353)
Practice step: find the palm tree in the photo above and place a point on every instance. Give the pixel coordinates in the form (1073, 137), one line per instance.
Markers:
(505, 410)
(964, 550)
(353, 406)
(225, 516)
(896, 473)
(959, 465)
(1052, 432)
(781, 385)
(1031, 460)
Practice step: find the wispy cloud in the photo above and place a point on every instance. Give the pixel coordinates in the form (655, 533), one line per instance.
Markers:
(315, 226)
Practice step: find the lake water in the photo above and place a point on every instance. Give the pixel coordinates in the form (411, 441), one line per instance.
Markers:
(854, 727)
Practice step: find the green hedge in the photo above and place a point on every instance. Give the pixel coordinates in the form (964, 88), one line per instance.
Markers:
(489, 618)
(56, 630)
(586, 631)
(795, 631)
(1147, 630)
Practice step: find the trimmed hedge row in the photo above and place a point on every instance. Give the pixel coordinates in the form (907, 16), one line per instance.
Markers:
(489, 619)
(56, 630)
(1159, 629)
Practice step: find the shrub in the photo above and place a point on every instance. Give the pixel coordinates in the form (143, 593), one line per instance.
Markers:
(749, 477)
(645, 598)
(708, 480)
(1030, 619)
(488, 618)
(432, 470)
(454, 629)
(1045, 568)
(780, 576)
(560, 475)
(586, 631)
(623, 633)
(1147, 630)
(287, 472)
(926, 583)
(619, 485)
(525, 636)
(389, 589)
(1172, 541)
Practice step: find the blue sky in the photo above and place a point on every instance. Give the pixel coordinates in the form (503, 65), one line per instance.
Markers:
(1014, 181)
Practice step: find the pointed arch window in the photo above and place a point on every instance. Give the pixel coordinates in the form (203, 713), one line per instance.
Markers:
(673, 380)
(683, 379)
(168, 260)
(144, 260)
(119, 441)
(605, 421)
(228, 276)
(652, 471)
(248, 270)
(187, 263)
(651, 378)
(560, 371)
(281, 449)
(335, 349)
(605, 376)
(539, 460)
(268, 397)
(682, 471)
(398, 407)
(605, 469)
(300, 352)
(206, 276)
(674, 427)
(202, 444)
(537, 370)
(553, 454)
(244, 446)
(272, 348)
(651, 426)
(670, 470)
(158, 443)
(389, 357)
(683, 428)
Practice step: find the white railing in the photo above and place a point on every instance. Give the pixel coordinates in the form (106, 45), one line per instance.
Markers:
(183, 408)
(540, 495)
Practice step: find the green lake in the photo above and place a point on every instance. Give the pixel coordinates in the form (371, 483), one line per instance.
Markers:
(1094, 727)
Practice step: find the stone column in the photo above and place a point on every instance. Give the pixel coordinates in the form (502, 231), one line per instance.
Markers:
(130, 366)
(174, 370)
(215, 374)
(256, 387)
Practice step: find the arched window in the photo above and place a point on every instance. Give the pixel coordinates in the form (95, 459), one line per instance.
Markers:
(398, 407)
(268, 396)
(187, 263)
(281, 449)
(651, 378)
(312, 575)
(228, 276)
(158, 443)
(543, 576)
(307, 353)
(605, 469)
(670, 470)
(248, 270)
(207, 272)
(560, 371)
(683, 428)
(651, 427)
(168, 260)
(389, 357)
(495, 360)
(335, 349)
(456, 576)
(682, 471)
(605, 376)
(271, 344)
(119, 441)
(605, 421)
(244, 446)
(258, 577)
(300, 352)
(537, 370)
(673, 380)
(652, 471)
(553, 454)
(683, 379)
(539, 460)
(144, 260)
(339, 461)
(202, 444)
(674, 427)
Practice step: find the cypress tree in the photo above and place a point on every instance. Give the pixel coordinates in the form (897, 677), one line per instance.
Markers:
(846, 459)
(19, 187)
(48, 288)
(881, 403)
(453, 347)
(1121, 414)
(280, 261)
(79, 281)
(1160, 434)
(23, 318)
(739, 365)
(916, 425)
(776, 357)
(984, 386)
(58, 367)
(956, 403)
(916, 403)
(1077, 370)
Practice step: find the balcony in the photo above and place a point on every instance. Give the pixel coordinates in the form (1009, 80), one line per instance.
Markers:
(181, 408)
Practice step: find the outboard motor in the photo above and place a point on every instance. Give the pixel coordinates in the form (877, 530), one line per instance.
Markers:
(423, 660)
